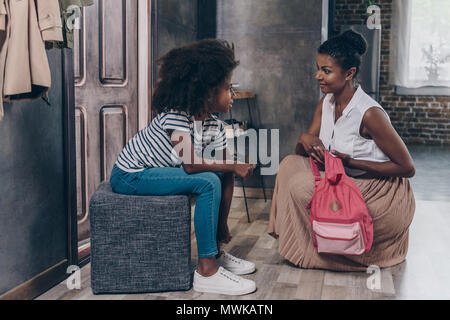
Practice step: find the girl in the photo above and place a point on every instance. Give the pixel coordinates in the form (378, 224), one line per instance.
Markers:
(165, 158)
(355, 128)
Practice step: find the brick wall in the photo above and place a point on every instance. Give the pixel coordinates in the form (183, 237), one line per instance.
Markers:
(417, 119)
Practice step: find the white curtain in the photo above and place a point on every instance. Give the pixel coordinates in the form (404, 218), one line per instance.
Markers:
(419, 48)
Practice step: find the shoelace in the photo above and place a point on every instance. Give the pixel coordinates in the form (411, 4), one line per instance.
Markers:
(228, 256)
(229, 275)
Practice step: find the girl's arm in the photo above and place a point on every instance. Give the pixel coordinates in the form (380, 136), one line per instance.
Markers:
(308, 141)
(387, 139)
(183, 145)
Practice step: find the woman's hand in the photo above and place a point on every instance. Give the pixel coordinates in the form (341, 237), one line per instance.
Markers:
(243, 170)
(313, 146)
(345, 157)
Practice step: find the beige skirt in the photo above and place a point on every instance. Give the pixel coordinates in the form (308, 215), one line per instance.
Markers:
(390, 202)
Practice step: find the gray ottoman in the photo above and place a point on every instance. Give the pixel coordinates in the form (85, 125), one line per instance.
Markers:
(139, 243)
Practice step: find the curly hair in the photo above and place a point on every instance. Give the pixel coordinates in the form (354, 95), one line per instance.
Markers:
(191, 74)
(346, 49)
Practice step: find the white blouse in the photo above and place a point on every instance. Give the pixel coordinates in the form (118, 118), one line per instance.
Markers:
(343, 135)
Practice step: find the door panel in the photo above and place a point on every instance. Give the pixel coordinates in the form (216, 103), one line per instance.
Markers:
(81, 161)
(106, 80)
(113, 37)
(114, 120)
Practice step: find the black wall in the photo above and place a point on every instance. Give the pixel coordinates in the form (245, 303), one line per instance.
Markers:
(34, 201)
(176, 24)
(207, 24)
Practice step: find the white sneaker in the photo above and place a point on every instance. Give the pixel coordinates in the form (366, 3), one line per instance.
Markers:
(223, 282)
(235, 265)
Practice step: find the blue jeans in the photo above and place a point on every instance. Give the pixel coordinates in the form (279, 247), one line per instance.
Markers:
(173, 181)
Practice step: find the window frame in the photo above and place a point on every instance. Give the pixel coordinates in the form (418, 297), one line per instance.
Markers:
(422, 91)
(402, 14)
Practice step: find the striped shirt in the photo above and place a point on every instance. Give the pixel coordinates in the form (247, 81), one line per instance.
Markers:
(152, 148)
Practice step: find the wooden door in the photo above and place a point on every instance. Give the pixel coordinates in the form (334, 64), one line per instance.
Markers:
(106, 99)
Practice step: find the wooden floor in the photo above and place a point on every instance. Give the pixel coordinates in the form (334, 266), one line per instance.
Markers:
(424, 275)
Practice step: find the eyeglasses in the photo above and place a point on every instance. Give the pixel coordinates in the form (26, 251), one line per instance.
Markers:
(233, 88)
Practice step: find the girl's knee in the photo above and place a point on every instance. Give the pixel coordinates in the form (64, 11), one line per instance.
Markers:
(212, 181)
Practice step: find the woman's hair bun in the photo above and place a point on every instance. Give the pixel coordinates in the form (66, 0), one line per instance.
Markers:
(355, 40)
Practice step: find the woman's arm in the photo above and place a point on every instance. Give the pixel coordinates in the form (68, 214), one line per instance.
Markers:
(193, 164)
(309, 143)
(387, 139)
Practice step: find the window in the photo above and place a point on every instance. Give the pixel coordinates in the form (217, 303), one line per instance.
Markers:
(420, 49)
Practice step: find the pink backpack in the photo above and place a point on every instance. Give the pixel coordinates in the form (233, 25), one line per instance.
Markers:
(340, 221)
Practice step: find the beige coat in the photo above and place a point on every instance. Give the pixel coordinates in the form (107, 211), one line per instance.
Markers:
(24, 68)
(2, 15)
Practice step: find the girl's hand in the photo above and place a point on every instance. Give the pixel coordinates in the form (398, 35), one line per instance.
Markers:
(314, 147)
(243, 170)
(345, 157)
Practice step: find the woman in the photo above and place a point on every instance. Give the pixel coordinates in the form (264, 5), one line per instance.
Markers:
(354, 127)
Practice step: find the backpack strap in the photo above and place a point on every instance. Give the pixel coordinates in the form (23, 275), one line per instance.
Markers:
(315, 171)
(334, 169)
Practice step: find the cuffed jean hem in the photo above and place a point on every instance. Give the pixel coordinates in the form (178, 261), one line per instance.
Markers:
(215, 253)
